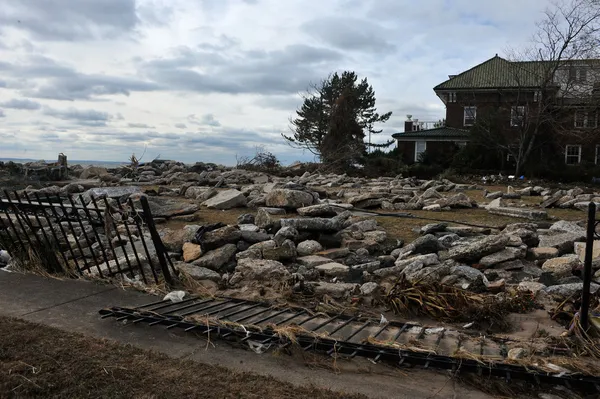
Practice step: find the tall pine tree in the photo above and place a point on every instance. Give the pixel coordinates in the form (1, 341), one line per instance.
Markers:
(335, 118)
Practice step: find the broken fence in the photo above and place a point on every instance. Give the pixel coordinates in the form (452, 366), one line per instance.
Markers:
(97, 236)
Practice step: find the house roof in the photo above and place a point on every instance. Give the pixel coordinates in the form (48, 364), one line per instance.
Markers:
(436, 134)
(497, 73)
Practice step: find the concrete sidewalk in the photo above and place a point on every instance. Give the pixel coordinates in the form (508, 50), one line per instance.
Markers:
(73, 305)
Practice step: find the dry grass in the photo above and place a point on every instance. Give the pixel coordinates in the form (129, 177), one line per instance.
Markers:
(44, 362)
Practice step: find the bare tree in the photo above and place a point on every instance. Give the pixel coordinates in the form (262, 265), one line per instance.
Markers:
(545, 81)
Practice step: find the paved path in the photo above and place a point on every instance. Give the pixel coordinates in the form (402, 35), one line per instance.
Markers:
(73, 305)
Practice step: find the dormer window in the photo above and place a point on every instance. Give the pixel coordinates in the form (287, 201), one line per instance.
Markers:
(452, 97)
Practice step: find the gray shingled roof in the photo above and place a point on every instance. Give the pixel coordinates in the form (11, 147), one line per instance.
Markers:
(437, 133)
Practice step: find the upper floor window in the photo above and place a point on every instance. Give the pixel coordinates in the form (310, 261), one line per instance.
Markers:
(573, 154)
(452, 97)
(470, 115)
(517, 115)
(577, 75)
(585, 119)
(537, 96)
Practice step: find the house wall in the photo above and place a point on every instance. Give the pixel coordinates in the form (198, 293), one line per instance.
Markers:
(407, 151)
(434, 149)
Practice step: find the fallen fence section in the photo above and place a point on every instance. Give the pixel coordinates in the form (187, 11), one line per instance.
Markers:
(261, 326)
(95, 236)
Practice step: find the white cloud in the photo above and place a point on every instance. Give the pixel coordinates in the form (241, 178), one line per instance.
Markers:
(194, 81)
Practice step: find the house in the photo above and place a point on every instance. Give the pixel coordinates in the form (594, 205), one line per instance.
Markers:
(416, 140)
(555, 103)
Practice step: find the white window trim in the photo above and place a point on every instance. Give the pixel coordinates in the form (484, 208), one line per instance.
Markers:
(536, 96)
(586, 120)
(465, 115)
(513, 110)
(567, 153)
(452, 97)
(417, 148)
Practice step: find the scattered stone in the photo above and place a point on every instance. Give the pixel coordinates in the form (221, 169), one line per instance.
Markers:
(308, 247)
(567, 290)
(476, 250)
(289, 199)
(263, 218)
(334, 253)
(563, 266)
(320, 210)
(497, 286)
(227, 199)
(542, 253)
(198, 272)
(312, 261)
(285, 252)
(219, 237)
(531, 286)
(262, 270)
(335, 290)
(217, 258)
(568, 227)
(517, 353)
(245, 218)
(333, 269)
(506, 254)
(191, 252)
(433, 208)
(369, 288)
(564, 242)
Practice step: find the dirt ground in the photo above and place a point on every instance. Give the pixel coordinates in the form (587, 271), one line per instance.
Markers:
(40, 361)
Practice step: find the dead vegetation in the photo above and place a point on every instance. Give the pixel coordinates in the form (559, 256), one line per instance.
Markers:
(447, 303)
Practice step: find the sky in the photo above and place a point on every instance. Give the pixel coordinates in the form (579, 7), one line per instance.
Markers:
(210, 80)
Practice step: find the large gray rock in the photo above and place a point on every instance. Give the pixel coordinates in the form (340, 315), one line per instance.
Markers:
(333, 269)
(173, 240)
(428, 275)
(504, 255)
(564, 242)
(478, 249)
(262, 270)
(562, 267)
(286, 251)
(459, 200)
(289, 199)
(426, 244)
(216, 259)
(320, 210)
(467, 278)
(219, 237)
(308, 247)
(313, 224)
(417, 262)
(337, 290)
(567, 290)
(198, 272)
(263, 219)
(227, 199)
(253, 237)
(568, 227)
(166, 207)
(312, 261)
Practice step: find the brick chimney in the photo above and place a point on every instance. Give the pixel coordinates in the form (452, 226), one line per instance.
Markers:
(408, 124)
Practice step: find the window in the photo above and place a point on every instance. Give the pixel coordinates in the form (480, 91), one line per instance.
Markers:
(470, 114)
(537, 96)
(517, 115)
(452, 97)
(582, 75)
(585, 119)
(573, 154)
(420, 147)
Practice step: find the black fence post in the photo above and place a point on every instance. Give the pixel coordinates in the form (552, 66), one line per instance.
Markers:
(158, 244)
(587, 268)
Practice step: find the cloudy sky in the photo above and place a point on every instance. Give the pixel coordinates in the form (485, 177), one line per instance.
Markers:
(206, 80)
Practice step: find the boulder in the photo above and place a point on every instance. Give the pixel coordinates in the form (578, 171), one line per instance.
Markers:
(191, 252)
(217, 258)
(308, 247)
(263, 219)
(459, 200)
(568, 227)
(369, 288)
(431, 193)
(564, 242)
(567, 290)
(173, 240)
(320, 210)
(227, 199)
(245, 218)
(433, 228)
(312, 261)
(286, 233)
(262, 270)
(494, 195)
(562, 267)
(542, 253)
(476, 250)
(287, 251)
(504, 255)
(335, 290)
(426, 244)
(428, 275)
(198, 272)
(416, 262)
(254, 237)
(580, 250)
(219, 237)
(530, 286)
(333, 269)
(289, 199)
(92, 172)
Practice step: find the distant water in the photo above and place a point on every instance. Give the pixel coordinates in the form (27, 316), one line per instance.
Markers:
(104, 164)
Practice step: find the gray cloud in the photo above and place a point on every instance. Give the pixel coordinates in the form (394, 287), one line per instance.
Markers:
(66, 20)
(21, 104)
(87, 117)
(2, 114)
(63, 82)
(140, 126)
(252, 71)
(180, 126)
(209, 120)
(350, 34)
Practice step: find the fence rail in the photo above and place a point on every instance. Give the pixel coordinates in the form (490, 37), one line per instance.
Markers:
(91, 235)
